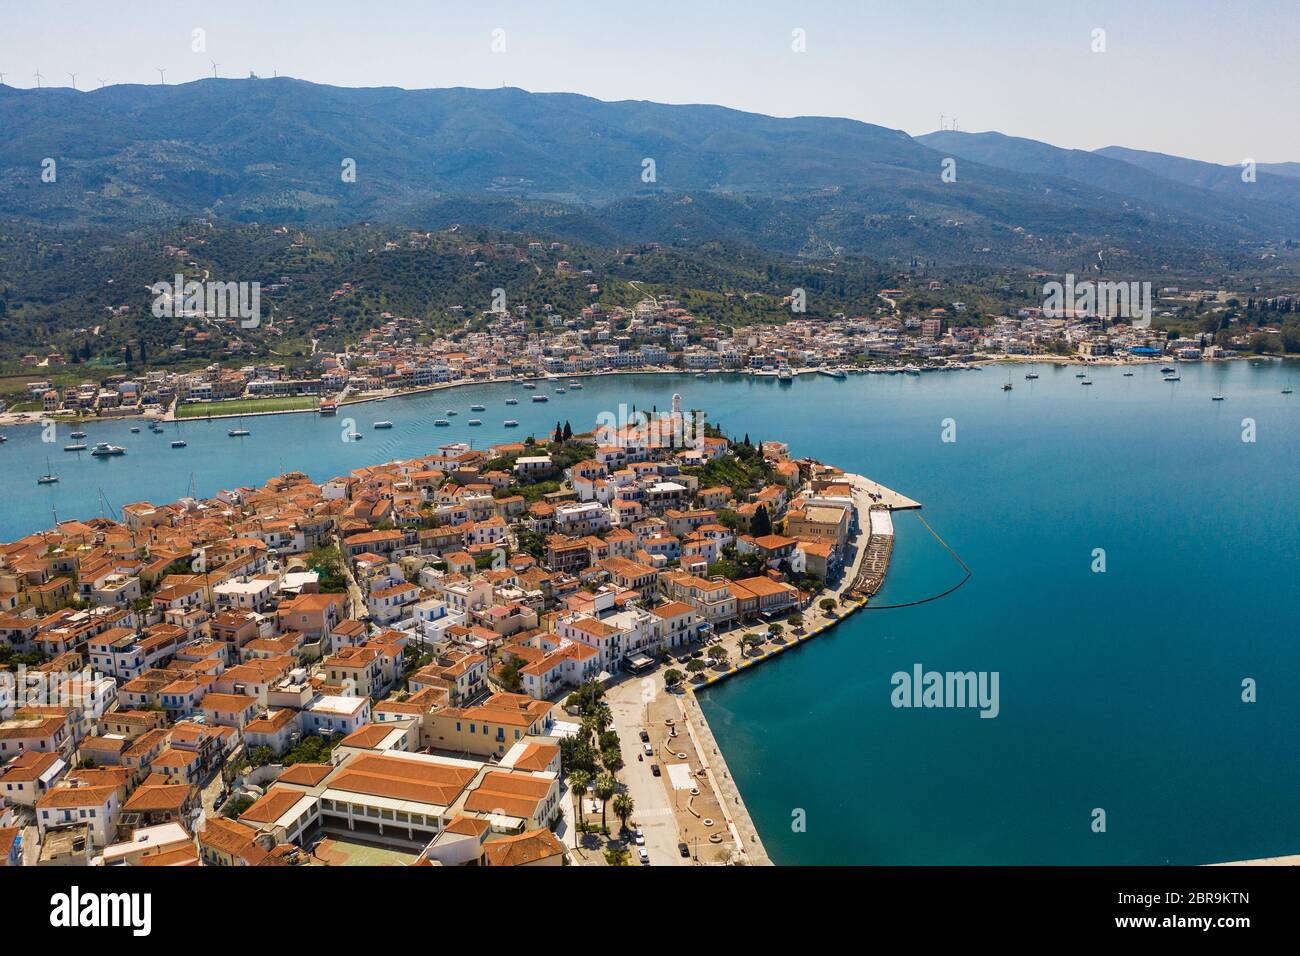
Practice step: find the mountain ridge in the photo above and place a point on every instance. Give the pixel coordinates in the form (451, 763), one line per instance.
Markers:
(260, 150)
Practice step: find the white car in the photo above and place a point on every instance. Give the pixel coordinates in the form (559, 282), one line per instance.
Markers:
(640, 837)
(649, 751)
(641, 852)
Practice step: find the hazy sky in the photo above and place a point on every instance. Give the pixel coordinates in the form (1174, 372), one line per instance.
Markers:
(1212, 79)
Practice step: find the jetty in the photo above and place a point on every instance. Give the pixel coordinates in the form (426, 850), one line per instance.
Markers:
(875, 560)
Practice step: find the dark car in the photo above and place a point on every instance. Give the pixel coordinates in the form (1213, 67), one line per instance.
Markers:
(684, 850)
(654, 769)
(645, 736)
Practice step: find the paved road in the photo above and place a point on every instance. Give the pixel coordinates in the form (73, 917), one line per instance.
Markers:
(650, 794)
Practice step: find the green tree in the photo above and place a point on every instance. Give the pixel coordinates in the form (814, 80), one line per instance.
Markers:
(579, 780)
(761, 524)
(606, 787)
(612, 759)
(623, 808)
(672, 677)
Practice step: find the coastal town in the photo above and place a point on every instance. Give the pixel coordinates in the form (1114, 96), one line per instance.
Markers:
(403, 355)
(479, 656)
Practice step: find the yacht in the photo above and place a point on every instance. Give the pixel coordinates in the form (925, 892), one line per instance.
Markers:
(1080, 374)
(1085, 382)
(1166, 370)
(237, 432)
(3, 439)
(135, 429)
(104, 450)
(1128, 374)
(475, 421)
(383, 424)
(540, 398)
(1172, 378)
(179, 443)
(560, 391)
(510, 423)
(1216, 398)
(79, 446)
(478, 408)
(355, 436)
(452, 411)
(441, 422)
(529, 385)
(512, 401)
(76, 434)
(575, 385)
(1287, 390)
(1007, 387)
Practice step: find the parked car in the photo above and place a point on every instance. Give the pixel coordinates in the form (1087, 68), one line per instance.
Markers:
(684, 850)
(645, 736)
(641, 852)
(648, 749)
(654, 769)
(640, 837)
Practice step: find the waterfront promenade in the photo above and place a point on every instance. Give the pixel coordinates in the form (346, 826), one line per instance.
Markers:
(867, 547)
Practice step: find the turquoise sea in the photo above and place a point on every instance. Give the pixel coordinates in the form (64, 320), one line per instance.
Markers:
(1118, 690)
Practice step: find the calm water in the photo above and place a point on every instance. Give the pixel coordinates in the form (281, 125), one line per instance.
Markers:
(1119, 690)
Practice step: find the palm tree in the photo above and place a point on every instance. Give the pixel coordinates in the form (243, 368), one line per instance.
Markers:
(602, 717)
(623, 807)
(612, 759)
(606, 787)
(579, 780)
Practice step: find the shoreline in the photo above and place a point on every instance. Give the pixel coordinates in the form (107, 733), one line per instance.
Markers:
(743, 825)
(19, 419)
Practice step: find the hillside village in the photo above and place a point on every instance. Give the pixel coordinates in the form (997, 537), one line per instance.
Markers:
(401, 354)
(409, 663)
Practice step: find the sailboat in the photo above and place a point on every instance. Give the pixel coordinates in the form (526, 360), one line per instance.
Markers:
(178, 442)
(239, 432)
(49, 477)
